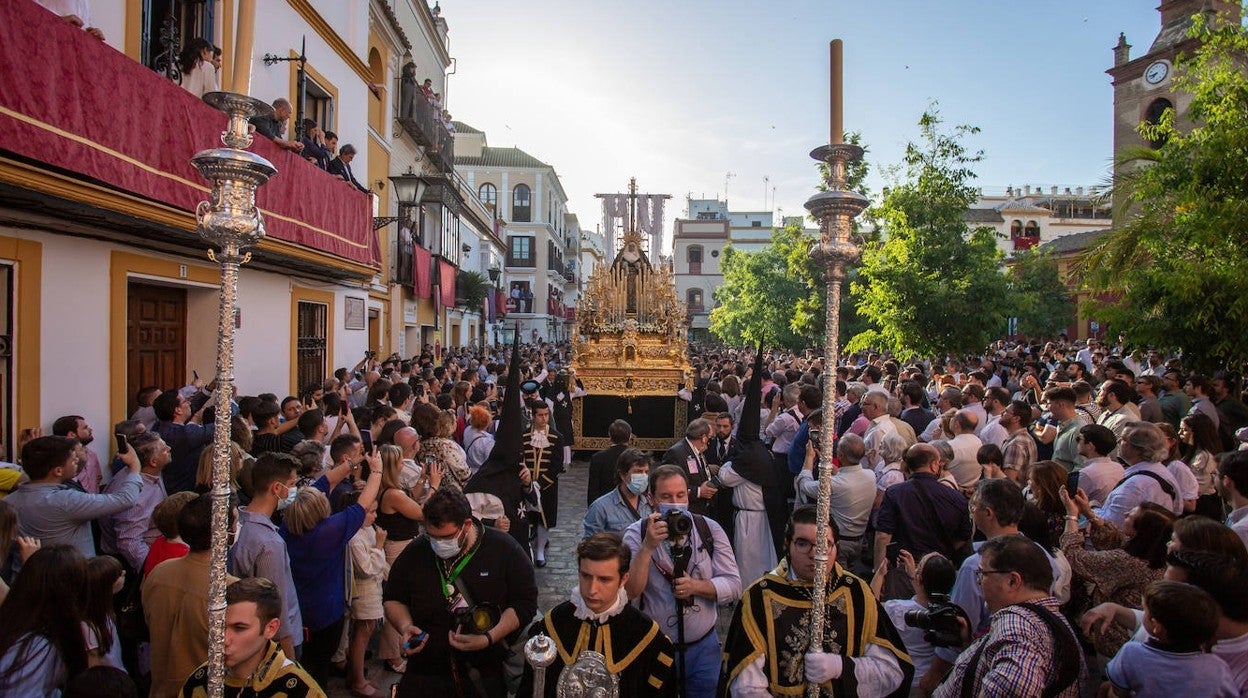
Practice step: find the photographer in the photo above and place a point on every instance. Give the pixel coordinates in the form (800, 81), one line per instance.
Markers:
(455, 595)
(682, 577)
(863, 653)
(1029, 649)
(933, 580)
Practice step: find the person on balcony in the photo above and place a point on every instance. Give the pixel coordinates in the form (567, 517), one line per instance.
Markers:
(199, 75)
(76, 12)
(275, 126)
(341, 167)
(314, 145)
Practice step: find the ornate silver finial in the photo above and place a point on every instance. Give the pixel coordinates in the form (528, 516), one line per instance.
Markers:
(540, 653)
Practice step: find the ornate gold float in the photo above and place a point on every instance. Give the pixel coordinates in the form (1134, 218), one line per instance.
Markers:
(630, 350)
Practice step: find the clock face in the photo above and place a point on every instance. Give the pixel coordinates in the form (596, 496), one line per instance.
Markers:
(1157, 72)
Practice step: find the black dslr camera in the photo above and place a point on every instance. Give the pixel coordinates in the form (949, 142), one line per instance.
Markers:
(679, 523)
(476, 619)
(939, 622)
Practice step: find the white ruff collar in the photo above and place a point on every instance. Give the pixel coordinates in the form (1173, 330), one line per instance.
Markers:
(583, 612)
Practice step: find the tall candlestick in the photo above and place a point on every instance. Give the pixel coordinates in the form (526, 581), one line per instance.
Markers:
(838, 117)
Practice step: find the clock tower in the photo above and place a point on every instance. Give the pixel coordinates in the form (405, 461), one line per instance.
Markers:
(1143, 87)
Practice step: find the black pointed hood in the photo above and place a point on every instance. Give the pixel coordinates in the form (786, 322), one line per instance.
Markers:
(750, 457)
(750, 426)
(498, 472)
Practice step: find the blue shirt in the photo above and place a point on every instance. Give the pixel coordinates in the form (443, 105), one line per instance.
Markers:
(903, 514)
(260, 552)
(1146, 671)
(797, 449)
(611, 513)
(1141, 488)
(186, 442)
(57, 513)
(318, 566)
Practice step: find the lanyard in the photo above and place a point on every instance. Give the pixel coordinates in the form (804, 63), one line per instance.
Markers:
(448, 584)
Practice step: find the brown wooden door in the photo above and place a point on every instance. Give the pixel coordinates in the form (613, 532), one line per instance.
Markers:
(155, 339)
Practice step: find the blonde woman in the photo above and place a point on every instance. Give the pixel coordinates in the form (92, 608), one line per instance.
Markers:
(399, 514)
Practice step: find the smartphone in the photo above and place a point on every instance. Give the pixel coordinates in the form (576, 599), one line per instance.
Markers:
(892, 551)
(366, 436)
(1072, 484)
(415, 641)
(122, 445)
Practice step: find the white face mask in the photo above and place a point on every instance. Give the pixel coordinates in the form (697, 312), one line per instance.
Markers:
(445, 549)
(291, 493)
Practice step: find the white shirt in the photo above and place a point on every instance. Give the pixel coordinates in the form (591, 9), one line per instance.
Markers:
(1098, 477)
(880, 427)
(965, 465)
(853, 494)
(993, 433)
(82, 8)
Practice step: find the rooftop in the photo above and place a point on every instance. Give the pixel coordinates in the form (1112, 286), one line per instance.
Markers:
(501, 157)
(1075, 242)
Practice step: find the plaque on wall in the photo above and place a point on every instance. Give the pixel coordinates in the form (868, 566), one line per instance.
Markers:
(354, 315)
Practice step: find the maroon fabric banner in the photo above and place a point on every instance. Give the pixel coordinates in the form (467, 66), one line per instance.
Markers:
(446, 277)
(79, 106)
(422, 260)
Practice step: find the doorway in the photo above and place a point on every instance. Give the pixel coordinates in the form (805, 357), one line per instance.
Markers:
(155, 339)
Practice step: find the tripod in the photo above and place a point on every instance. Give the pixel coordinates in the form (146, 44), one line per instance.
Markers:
(681, 555)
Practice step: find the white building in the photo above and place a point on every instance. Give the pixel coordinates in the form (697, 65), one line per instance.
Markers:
(531, 206)
(1027, 216)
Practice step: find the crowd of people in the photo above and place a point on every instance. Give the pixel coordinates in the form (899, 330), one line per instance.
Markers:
(1038, 520)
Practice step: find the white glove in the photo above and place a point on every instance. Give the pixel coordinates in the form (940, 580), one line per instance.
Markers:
(822, 666)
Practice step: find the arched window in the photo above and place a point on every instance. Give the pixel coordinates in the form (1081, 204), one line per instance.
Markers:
(1153, 116)
(693, 255)
(1032, 230)
(376, 105)
(693, 299)
(521, 204)
(1016, 229)
(488, 194)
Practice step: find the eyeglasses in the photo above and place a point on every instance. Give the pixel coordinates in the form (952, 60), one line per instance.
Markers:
(980, 572)
(804, 546)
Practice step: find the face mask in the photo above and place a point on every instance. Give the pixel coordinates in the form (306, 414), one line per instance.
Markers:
(290, 498)
(445, 549)
(637, 482)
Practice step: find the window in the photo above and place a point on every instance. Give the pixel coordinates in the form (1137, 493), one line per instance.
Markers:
(694, 257)
(1016, 229)
(693, 299)
(311, 345)
(1153, 116)
(1032, 230)
(189, 20)
(707, 216)
(521, 204)
(488, 194)
(319, 106)
(520, 251)
(756, 224)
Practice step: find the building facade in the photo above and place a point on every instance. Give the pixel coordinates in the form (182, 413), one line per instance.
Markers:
(540, 239)
(106, 284)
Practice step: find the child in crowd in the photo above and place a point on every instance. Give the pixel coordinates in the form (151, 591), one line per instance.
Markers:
(370, 569)
(1175, 661)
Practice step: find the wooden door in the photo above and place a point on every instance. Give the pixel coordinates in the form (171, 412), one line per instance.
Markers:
(155, 339)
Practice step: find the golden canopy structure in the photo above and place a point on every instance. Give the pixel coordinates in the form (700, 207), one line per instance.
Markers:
(630, 350)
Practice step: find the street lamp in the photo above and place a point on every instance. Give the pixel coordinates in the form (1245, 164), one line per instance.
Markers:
(230, 222)
(409, 189)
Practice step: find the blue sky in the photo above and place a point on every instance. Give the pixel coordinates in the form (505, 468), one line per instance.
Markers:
(682, 92)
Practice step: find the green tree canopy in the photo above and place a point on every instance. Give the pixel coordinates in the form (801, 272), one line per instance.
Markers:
(1041, 299)
(931, 285)
(1178, 254)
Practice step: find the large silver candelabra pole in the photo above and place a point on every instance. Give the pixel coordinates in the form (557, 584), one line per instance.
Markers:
(835, 209)
(230, 222)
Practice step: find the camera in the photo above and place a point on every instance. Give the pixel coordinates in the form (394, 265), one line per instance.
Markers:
(476, 619)
(939, 622)
(679, 523)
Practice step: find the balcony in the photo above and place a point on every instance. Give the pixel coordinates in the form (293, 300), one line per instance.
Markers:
(114, 154)
(423, 123)
(1025, 242)
(528, 262)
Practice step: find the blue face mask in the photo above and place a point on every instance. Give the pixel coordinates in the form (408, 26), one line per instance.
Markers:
(637, 483)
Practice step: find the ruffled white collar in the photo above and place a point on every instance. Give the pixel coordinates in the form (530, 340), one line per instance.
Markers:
(583, 612)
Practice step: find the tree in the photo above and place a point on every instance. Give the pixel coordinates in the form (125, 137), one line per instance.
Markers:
(1041, 298)
(1178, 256)
(931, 285)
(758, 296)
(779, 293)
(471, 289)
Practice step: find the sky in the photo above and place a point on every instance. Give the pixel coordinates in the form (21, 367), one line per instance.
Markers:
(726, 98)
